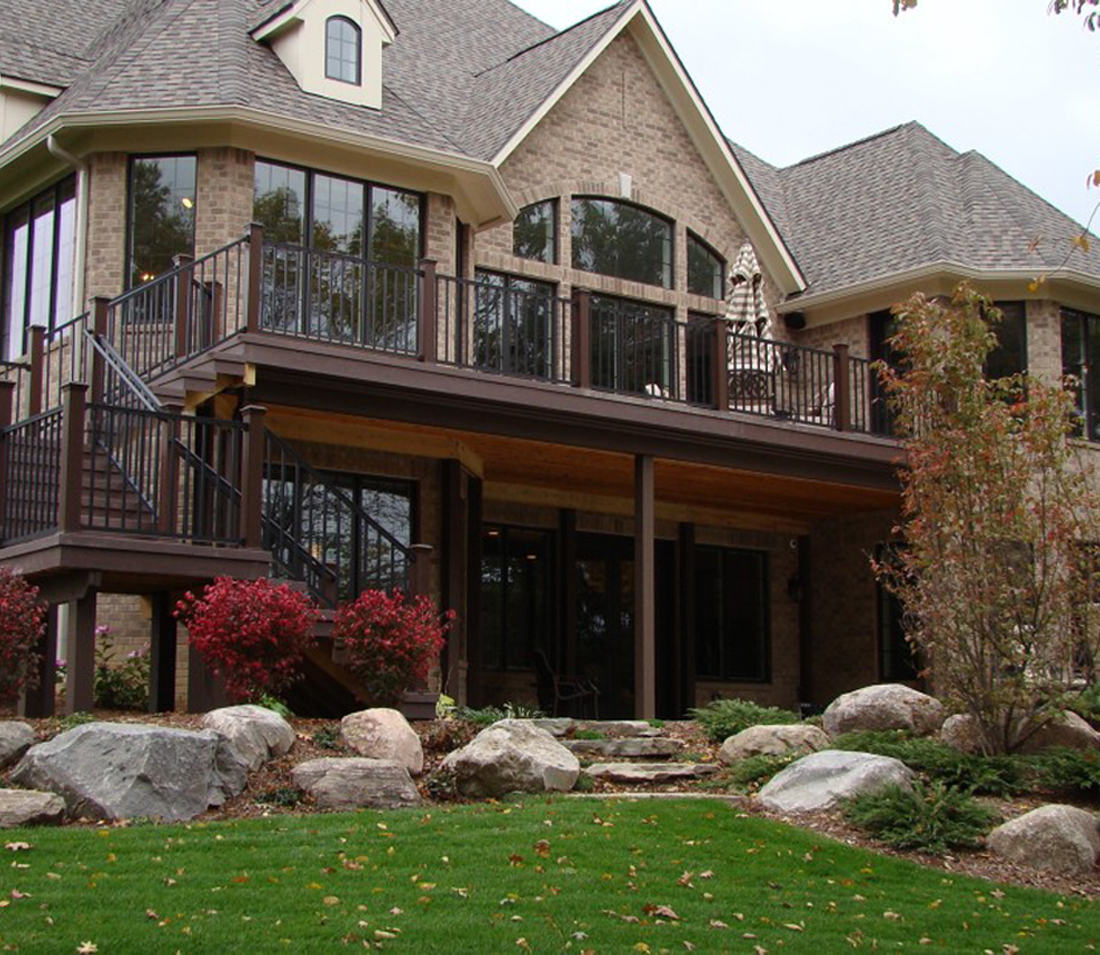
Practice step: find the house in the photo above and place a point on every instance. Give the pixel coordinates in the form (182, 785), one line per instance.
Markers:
(431, 295)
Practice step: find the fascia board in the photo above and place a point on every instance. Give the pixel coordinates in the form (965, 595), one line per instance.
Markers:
(29, 86)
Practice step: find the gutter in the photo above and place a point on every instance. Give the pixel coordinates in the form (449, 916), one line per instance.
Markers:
(80, 245)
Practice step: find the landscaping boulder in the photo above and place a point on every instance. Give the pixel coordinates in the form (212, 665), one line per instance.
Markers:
(383, 734)
(650, 772)
(961, 732)
(822, 780)
(629, 748)
(24, 807)
(1057, 838)
(357, 782)
(782, 740)
(257, 733)
(1067, 730)
(15, 739)
(888, 706)
(128, 771)
(512, 756)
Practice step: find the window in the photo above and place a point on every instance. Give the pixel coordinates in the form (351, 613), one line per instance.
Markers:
(633, 347)
(535, 233)
(896, 660)
(514, 328)
(731, 614)
(40, 246)
(618, 239)
(343, 51)
(706, 269)
(162, 214)
(1009, 356)
(1081, 360)
(516, 569)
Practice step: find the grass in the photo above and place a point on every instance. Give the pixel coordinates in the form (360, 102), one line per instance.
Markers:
(534, 876)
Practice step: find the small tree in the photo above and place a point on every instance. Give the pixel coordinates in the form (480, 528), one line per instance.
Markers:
(22, 621)
(1000, 524)
(252, 633)
(391, 641)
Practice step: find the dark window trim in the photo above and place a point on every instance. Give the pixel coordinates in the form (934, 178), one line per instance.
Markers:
(721, 259)
(133, 158)
(765, 587)
(882, 596)
(340, 18)
(1089, 415)
(670, 222)
(1023, 343)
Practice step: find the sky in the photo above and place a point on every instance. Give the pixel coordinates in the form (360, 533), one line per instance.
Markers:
(789, 80)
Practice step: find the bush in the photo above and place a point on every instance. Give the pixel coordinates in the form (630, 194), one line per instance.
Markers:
(1066, 770)
(1087, 704)
(390, 641)
(122, 687)
(488, 715)
(990, 775)
(721, 719)
(932, 818)
(750, 774)
(22, 621)
(328, 737)
(252, 633)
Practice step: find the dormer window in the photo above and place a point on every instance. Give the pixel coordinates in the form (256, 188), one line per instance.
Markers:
(343, 51)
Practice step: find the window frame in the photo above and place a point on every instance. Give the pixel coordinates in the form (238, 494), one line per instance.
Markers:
(357, 32)
(725, 640)
(720, 261)
(889, 614)
(555, 232)
(668, 267)
(1088, 410)
(134, 159)
(1006, 308)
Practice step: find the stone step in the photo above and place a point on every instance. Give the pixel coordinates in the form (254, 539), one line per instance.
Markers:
(645, 748)
(650, 772)
(632, 729)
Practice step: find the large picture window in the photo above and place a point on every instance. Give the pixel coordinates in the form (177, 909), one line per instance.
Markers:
(1009, 356)
(731, 614)
(535, 233)
(40, 247)
(1081, 361)
(706, 268)
(622, 240)
(516, 581)
(162, 214)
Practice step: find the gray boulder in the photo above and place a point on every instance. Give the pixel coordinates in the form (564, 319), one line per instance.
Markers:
(24, 807)
(356, 782)
(888, 706)
(127, 771)
(512, 756)
(257, 733)
(961, 732)
(822, 780)
(629, 748)
(650, 772)
(779, 740)
(1057, 838)
(1068, 729)
(15, 739)
(384, 734)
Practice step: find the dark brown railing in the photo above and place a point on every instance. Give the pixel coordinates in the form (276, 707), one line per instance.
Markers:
(634, 349)
(497, 328)
(318, 534)
(30, 475)
(332, 297)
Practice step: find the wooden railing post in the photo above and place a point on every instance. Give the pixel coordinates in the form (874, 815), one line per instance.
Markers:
(255, 276)
(168, 502)
(420, 573)
(581, 352)
(100, 307)
(427, 315)
(184, 277)
(252, 476)
(842, 381)
(720, 368)
(37, 397)
(7, 415)
(74, 397)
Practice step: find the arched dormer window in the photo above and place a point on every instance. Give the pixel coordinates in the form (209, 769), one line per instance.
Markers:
(343, 51)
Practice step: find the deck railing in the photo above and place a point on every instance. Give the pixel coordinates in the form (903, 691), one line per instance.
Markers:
(345, 299)
(30, 475)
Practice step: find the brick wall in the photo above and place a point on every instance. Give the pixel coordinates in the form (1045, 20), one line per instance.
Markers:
(1044, 339)
(106, 236)
(223, 200)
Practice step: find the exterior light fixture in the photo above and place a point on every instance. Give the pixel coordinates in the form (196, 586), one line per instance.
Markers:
(187, 202)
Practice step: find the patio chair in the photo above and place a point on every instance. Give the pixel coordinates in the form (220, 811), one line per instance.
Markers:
(554, 690)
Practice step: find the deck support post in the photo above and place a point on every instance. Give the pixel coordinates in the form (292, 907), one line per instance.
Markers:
(71, 475)
(40, 702)
(162, 655)
(205, 690)
(252, 477)
(7, 413)
(842, 379)
(80, 666)
(255, 276)
(581, 352)
(645, 590)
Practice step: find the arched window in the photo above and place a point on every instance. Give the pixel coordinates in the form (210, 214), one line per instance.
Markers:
(343, 51)
(622, 240)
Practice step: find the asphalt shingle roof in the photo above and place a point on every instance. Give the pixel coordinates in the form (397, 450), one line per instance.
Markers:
(904, 199)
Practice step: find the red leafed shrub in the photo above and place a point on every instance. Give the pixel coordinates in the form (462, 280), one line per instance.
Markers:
(390, 641)
(22, 620)
(251, 632)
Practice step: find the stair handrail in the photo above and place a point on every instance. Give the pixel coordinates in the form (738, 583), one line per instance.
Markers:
(125, 373)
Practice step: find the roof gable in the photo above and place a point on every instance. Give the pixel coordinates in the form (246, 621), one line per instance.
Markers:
(297, 10)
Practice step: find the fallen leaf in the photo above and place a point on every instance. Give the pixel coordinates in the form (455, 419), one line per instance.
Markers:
(892, 916)
(717, 923)
(685, 880)
(660, 911)
(542, 848)
(87, 948)
(689, 946)
(18, 846)
(793, 927)
(331, 900)
(706, 875)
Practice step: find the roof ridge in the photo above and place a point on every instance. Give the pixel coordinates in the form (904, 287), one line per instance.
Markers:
(551, 39)
(852, 145)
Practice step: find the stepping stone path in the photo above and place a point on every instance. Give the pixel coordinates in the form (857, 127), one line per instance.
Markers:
(628, 751)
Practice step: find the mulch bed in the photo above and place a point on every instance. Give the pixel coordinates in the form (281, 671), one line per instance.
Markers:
(272, 787)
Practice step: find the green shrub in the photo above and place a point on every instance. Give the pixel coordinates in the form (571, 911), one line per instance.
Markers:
(721, 719)
(488, 715)
(584, 784)
(328, 737)
(72, 720)
(588, 734)
(1087, 705)
(932, 818)
(286, 796)
(273, 703)
(991, 775)
(1065, 770)
(124, 685)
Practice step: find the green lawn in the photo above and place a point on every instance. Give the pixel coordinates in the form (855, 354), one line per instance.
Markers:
(537, 876)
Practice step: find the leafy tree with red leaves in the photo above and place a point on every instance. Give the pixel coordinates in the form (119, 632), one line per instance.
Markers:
(22, 621)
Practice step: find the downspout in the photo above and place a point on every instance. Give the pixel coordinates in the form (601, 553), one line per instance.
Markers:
(80, 245)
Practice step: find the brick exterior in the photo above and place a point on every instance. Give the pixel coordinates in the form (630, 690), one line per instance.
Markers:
(1044, 339)
(106, 237)
(223, 200)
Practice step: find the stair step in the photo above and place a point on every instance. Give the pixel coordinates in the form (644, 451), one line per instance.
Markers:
(650, 772)
(629, 729)
(646, 748)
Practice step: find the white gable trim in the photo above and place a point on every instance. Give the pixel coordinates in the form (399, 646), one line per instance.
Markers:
(294, 12)
(702, 128)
